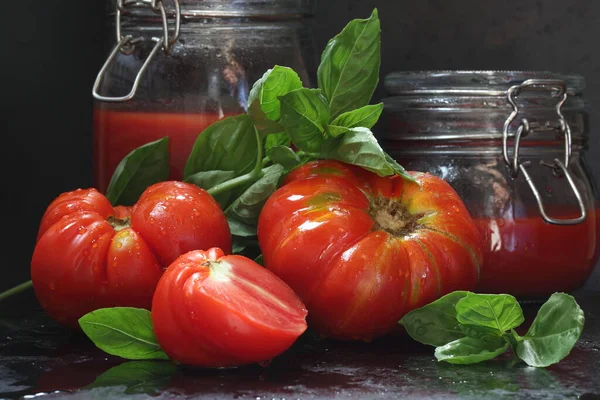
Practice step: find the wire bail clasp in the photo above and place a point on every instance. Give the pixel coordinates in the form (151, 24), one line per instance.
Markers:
(126, 44)
(558, 89)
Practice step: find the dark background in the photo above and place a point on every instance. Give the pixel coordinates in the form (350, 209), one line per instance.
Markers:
(54, 49)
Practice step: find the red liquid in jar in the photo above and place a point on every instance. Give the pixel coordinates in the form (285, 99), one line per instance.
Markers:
(117, 133)
(528, 257)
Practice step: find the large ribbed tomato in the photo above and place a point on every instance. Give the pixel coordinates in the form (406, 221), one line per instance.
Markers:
(213, 310)
(90, 255)
(362, 250)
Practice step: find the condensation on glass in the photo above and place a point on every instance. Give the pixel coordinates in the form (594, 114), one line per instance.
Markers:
(512, 144)
(177, 66)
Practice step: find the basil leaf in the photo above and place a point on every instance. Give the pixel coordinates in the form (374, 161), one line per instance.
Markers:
(497, 311)
(304, 114)
(143, 167)
(359, 147)
(469, 350)
(435, 324)
(248, 206)
(138, 377)
(209, 179)
(226, 145)
(260, 260)
(244, 245)
(480, 332)
(398, 169)
(265, 106)
(124, 332)
(238, 228)
(336, 131)
(285, 156)
(349, 69)
(554, 332)
(366, 117)
(277, 139)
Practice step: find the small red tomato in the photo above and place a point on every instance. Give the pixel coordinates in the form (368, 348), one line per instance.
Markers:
(362, 250)
(213, 310)
(90, 255)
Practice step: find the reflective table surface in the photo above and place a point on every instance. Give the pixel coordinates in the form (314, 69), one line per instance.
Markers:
(40, 360)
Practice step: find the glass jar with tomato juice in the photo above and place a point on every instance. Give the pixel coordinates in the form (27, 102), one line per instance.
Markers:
(180, 65)
(512, 144)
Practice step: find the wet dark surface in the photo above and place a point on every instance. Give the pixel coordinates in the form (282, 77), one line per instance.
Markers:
(38, 359)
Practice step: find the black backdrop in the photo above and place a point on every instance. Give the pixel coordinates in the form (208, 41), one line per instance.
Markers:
(53, 50)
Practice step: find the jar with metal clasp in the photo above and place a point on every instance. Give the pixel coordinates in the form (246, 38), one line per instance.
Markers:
(180, 65)
(513, 145)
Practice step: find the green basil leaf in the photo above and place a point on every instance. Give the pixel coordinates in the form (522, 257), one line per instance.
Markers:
(138, 377)
(554, 332)
(260, 260)
(277, 139)
(336, 131)
(226, 145)
(397, 168)
(285, 156)
(124, 332)
(349, 69)
(238, 228)
(480, 332)
(244, 245)
(305, 114)
(359, 147)
(469, 350)
(248, 206)
(265, 106)
(209, 179)
(497, 311)
(143, 167)
(366, 117)
(435, 324)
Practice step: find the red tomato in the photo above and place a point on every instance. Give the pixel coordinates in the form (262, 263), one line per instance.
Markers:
(361, 250)
(90, 255)
(213, 310)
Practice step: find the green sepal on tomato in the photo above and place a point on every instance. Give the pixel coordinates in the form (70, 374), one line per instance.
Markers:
(91, 255)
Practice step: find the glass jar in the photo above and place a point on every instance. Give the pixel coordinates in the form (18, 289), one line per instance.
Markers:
(512, 144)
(177, 68)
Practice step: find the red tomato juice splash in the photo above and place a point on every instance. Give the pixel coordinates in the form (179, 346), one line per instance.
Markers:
(528, 257)
(116, 133)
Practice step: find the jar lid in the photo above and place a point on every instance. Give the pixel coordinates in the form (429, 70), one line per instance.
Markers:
(232, 8)
(486, 83)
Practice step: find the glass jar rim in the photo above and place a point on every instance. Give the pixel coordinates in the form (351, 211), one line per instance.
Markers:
(471, 81)
(234, 9)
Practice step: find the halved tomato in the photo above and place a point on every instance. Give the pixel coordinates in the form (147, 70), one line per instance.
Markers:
(213, 310)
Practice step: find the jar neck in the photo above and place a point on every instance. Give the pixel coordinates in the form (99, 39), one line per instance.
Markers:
(223, 9)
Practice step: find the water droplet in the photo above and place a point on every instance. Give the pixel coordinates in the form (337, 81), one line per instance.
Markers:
(94, 244)
(119, 245)
(114, 263)
(81, 230)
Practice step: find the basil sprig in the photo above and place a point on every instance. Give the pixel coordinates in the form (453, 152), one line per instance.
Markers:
(468, 328)
(241, 160)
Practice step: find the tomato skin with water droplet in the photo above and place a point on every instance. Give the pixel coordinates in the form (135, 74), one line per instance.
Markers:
(213, 310)
(83, 261)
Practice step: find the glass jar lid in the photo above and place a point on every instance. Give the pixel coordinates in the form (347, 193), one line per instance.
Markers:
(485, 83)
(223, 8)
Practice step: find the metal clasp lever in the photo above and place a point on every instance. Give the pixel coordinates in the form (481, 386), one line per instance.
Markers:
(126, 44)
(557, 89)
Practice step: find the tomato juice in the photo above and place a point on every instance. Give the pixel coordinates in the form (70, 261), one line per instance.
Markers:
(116, 133)
(528, 257)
